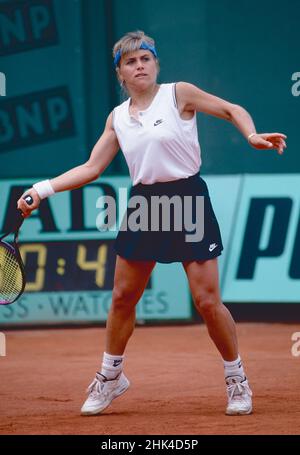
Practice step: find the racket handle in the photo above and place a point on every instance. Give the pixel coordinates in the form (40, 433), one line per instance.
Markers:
(28, 199)
(20, 218)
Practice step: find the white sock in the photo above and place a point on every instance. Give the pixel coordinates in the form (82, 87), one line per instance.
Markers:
(112, 365)
(234, 368)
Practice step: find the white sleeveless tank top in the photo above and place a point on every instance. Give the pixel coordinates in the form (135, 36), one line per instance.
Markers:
(160, 146)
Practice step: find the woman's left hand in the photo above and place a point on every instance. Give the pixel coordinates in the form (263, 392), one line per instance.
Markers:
(269, 141)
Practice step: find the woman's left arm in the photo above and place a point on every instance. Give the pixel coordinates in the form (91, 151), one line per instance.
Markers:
(190, 99)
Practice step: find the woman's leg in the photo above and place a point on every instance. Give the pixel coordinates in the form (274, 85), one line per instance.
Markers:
(204, 284)
(131, 278)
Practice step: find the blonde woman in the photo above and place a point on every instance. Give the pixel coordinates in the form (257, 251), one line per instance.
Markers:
(157, 131)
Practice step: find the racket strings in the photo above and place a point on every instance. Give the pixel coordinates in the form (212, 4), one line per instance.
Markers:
(11, 277)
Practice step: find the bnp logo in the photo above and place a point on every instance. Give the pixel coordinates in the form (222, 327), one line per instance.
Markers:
(2, 84)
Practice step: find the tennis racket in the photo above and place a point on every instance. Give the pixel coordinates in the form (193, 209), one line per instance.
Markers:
(12, 275)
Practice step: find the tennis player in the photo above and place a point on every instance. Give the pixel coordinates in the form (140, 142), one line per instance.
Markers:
(157, 131)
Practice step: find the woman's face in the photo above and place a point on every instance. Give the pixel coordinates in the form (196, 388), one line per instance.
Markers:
(138, 69)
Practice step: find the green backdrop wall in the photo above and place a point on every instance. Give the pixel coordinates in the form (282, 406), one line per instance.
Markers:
(56, 56)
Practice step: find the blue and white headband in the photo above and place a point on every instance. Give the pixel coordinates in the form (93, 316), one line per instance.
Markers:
(144, 45)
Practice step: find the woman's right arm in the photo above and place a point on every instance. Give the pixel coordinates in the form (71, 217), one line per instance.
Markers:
(102, 154)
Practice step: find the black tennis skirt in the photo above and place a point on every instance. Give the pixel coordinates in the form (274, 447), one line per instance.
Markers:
(177, 229)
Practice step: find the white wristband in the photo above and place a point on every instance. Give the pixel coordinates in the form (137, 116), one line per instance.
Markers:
(44, 189)
(251, 135)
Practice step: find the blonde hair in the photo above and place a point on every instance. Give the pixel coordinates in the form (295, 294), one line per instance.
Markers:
(131, 42)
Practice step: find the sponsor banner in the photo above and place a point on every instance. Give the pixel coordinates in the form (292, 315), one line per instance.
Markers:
(36, 118)
(70, 264)
(27, 25)
(263, 258)
(161, 301)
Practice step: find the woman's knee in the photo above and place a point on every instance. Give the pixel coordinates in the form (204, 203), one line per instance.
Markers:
(207, 303)
(124, 298)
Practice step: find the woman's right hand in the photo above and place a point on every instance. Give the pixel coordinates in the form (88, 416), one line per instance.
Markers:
(25, 208)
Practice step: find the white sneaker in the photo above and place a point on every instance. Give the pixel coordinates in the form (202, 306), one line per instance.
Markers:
(239, 396)
(102, 391)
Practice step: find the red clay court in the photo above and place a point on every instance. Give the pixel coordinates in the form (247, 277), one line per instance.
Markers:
(177, 384)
